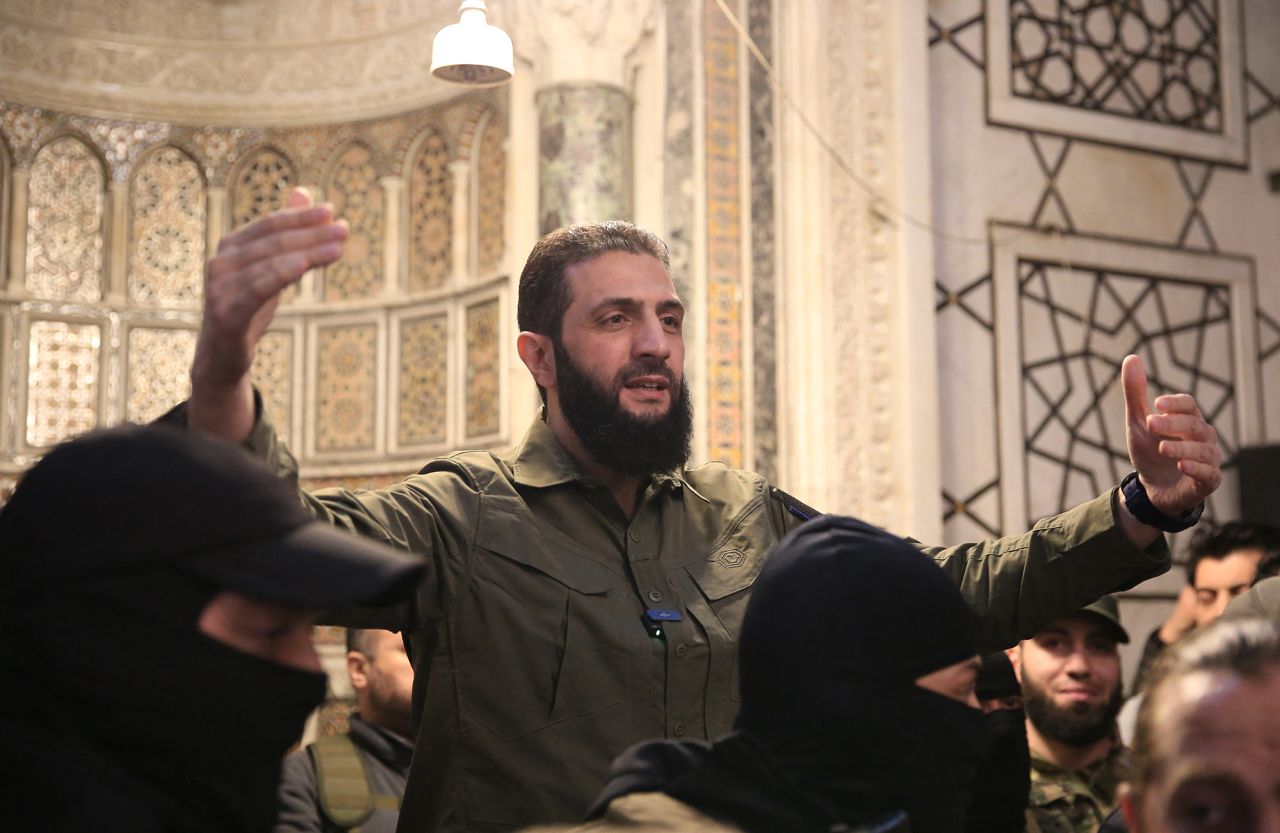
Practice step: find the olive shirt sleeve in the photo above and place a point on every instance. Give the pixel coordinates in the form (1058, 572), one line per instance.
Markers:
(1020, 584)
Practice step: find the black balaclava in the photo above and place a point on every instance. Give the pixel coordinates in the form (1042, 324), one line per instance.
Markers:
(999, 799)
(186, 725)
(843, 620)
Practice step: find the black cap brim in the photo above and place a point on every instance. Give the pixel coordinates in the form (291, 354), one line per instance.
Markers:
(313, 566)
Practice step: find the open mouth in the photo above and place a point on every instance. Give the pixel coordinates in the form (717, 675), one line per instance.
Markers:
(648, 383)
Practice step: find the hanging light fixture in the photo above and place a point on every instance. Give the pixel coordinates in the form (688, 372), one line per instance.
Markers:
(471, 51)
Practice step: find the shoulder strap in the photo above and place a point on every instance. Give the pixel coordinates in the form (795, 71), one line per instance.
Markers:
(341, 781)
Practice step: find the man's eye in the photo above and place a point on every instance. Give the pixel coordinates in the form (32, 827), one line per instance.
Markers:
(1216, 806)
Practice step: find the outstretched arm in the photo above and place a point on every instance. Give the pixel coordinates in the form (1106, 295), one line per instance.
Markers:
(1173, 449)
(242, 287)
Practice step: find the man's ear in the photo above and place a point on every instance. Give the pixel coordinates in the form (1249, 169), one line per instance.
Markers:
(538, 354)
(1015, 659)
(358, 670)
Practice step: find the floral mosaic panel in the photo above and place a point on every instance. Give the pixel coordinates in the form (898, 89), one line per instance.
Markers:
(357, 197)
(430, 216)
(483, 379)
(272, 373)
(159, 370)
(64, 223)
(346, 387)
(63, 381)
(492, 207)
(167, 230)
(724, 243)
(422, 417)
(260, 187)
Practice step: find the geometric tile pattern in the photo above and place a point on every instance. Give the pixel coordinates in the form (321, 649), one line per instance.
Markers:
(64, 223)
(422, 418)
(260, 187)
(1157, 61)
(63, 381)
(346, 387)
(483, 381)
(725, 433)
(158, 372)
(430, 216)
(1077, 325)
(491, 210)
(166, 230)
(357, 197)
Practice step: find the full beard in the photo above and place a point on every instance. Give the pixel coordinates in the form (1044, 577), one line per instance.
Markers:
(1080, 724)
(631, 445)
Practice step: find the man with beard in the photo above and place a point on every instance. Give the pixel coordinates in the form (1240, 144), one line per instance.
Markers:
(585, 590)
(1071, 690)
(356, 779)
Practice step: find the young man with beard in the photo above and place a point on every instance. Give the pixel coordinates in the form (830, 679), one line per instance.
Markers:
(1071, 690)
(356, 780)
(585, 590)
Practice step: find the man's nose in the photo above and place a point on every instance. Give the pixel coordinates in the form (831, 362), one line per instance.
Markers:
(1077, 664)
(652, 339)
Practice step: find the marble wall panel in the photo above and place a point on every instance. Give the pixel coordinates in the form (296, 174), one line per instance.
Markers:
(763, 251)
(167, 230)
(483, 372)
(64, 380)
(422, 410)
(64, 223)
(678, 165)
(158, 371)
(346, 387)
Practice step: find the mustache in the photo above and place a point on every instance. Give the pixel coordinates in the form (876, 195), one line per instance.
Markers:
(645, 367)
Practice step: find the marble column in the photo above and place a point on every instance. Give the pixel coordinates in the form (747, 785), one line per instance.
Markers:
(578, 50)
(392, 194)
(584, 154)
(19, 177)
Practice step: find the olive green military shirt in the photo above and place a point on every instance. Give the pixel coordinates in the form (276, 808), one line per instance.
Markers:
(533, 666)
(1075, 801)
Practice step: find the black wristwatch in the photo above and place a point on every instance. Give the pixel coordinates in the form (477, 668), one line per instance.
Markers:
(1139, 505)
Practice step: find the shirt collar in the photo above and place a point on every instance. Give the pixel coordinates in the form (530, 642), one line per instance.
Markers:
(541, 461)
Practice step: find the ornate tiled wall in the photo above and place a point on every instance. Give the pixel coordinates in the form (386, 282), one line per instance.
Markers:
(106, 226)
(1101, 188)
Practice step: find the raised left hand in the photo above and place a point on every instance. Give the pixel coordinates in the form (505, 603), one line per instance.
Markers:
(1173, 449)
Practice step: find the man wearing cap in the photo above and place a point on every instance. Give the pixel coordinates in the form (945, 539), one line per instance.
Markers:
(586, 589)
(1071, 690)
(158, 594)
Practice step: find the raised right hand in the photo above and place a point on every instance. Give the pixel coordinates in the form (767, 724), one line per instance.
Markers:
(242, 286)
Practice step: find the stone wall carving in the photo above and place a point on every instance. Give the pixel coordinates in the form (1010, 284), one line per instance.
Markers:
(167, 229)
(64, 222)
(430, 215)
(354, 191)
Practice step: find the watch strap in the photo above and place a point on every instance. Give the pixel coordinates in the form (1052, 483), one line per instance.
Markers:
(1140, 506)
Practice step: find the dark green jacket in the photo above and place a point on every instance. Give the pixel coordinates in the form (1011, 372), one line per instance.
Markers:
(533, 667)
(1075, 800)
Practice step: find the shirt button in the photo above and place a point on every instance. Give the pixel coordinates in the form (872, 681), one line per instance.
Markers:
(678, 730)
(655, 596)
(634, 536)
(682, 650)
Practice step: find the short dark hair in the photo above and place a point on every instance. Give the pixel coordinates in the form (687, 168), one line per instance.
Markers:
(1245, 647)
(544, 294)
(1217, 541)
(360, 639)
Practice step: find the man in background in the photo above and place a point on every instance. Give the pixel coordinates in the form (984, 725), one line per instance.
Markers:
(1071, 690)
(1207, 748)
(357, 779)
(1222, 562)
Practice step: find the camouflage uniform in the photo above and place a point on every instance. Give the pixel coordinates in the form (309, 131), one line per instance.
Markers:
(1075, 800)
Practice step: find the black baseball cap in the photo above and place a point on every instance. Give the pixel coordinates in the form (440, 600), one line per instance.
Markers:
(132, 498)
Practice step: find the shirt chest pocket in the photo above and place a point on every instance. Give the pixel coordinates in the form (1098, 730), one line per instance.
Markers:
(536, 633)
(724, 580)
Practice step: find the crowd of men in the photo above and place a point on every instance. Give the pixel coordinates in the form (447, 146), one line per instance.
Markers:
(600, 635)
